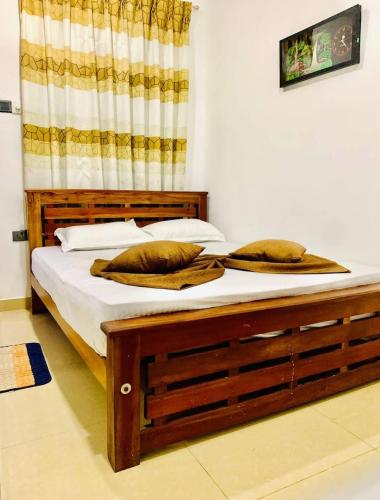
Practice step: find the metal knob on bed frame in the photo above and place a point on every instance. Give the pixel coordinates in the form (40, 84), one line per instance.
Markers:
(126, 389)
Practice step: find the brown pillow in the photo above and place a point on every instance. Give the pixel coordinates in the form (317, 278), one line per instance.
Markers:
(155, 257)
(271, 251)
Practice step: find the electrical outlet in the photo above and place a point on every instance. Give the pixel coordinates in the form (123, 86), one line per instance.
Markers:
(16, 108)
(20, 235)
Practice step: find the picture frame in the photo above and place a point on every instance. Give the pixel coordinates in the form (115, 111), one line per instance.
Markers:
(327, 46)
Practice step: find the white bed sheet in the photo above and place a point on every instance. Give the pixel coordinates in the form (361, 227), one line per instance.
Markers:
(85, 301)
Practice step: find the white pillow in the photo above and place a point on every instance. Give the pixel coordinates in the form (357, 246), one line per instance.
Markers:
(184, 230)
(100, 236)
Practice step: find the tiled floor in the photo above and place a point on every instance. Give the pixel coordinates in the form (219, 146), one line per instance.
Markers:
(53, 443)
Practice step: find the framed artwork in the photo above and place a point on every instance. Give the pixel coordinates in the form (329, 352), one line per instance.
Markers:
(327, 46)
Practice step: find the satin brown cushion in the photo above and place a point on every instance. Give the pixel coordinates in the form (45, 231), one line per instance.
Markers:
(155, 257)
(271, 251)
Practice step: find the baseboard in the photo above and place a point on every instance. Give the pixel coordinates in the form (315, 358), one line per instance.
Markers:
(13, 304)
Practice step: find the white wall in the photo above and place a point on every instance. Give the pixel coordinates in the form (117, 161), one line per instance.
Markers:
(13, 256)
(301, 164)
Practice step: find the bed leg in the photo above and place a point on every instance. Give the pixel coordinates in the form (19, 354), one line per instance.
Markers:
(38, 306)
(123, 401)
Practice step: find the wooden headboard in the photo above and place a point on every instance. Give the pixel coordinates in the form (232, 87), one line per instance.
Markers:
(50, 209)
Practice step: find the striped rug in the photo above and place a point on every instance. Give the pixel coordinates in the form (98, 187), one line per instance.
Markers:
(22, 366)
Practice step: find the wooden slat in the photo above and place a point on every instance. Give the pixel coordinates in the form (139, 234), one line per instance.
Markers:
(364, 328)
(112, 212)
(337, 359)
(362, 352)
(182, 368)
(118, 196)
(202, 424)
(210, 392)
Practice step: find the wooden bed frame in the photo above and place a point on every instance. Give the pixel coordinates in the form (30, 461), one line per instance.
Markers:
(206, 370)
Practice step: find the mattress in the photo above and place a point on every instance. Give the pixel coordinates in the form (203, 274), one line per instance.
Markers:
(85, 301)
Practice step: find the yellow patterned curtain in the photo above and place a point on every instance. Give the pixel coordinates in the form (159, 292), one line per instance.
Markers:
(104, 93)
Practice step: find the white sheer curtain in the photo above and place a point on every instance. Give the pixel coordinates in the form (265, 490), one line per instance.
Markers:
(104, 91)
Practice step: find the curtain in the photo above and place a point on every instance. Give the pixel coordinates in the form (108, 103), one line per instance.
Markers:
(104, 93)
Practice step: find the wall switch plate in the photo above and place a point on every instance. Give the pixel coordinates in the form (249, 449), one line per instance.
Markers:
(20, 235)
(5, 106)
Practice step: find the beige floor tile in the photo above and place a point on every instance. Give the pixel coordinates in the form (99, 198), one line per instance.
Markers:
(268, 455)
(357, 479)
(66, 466)
(71, 401)
(357, 411)
(21, 326)
(17, 324)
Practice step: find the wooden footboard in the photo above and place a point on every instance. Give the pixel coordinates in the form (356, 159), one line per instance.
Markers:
(203, 371)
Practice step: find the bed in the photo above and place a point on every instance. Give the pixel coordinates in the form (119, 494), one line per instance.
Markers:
(183, 364)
